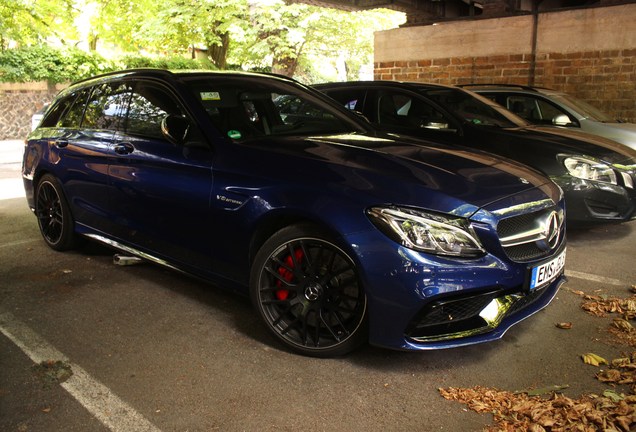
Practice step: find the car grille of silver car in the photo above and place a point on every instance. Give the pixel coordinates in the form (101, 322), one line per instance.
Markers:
(533, 235)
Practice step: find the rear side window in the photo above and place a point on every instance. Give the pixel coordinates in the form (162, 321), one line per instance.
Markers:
(68, 112)
(106, 107)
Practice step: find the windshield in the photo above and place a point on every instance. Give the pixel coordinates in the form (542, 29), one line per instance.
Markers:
(583, 108)
(247, 107)
(474, 109)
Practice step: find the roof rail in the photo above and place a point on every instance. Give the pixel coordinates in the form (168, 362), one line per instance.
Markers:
(150, 71)
(520, 86)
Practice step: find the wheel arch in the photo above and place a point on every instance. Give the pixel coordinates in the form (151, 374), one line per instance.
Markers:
(277, 220)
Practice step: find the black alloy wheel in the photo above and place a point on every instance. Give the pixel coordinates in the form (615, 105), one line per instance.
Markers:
(54, 217)
(307, 291)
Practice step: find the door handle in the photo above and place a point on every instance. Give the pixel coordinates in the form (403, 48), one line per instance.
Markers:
(124, 148)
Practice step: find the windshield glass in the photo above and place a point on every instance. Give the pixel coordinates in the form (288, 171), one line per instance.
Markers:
(584, 108)
(245, 107)
(473, 108)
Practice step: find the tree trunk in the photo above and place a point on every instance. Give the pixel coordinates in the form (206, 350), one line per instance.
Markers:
(284, 66)
(92, 42)
(218, 51)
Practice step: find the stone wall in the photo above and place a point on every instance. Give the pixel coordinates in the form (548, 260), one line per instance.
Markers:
(589, 53)
(18, 102)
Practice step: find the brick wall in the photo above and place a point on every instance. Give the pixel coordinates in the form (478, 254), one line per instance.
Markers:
(599, 68)
(607, 79)
(18, 102)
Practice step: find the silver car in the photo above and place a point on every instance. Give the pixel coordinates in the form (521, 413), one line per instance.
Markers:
(551, 107)
(36, 118)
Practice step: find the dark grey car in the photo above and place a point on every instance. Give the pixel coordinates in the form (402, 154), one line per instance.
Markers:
(597, 175)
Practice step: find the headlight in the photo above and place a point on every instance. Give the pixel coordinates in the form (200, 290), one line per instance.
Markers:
(589, 169)
(427, 232)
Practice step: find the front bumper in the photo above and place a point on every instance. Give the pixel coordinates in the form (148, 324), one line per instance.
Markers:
(424, 302)
(590, 202)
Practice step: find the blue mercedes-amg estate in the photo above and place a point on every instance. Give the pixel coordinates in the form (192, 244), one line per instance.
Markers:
(338, 233)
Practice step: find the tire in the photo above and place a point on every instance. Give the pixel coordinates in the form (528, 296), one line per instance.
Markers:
(54, 215)
(307, 291)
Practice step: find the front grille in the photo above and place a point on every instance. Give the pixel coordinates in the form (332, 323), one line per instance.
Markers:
(529, 228)
(525, 252)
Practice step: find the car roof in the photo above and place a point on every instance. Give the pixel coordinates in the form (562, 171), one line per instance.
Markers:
(171, 75)
(509, 87)
(381, 83)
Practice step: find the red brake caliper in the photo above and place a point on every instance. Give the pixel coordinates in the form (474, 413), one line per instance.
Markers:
(287, 274)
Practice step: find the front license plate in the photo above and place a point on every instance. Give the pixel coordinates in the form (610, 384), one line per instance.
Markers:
(545, 273)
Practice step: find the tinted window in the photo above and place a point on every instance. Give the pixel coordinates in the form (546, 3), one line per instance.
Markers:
(243, 109)
(532, 109)
(149, 105)
(54, 115)
(106, 107)
(473, 108)
(72, 117)
(401, 109)
(351, 99)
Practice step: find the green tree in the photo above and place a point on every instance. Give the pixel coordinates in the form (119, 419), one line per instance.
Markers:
(27, 22)
(115, 22)
(180, 25)
(288, 38)
(292, 38)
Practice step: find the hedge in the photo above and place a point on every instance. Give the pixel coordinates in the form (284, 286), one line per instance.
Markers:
(43, 63)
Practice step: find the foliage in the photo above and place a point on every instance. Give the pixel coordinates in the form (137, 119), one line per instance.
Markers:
(39, 63)
(179, 25)
(308, 42)
(175, 62)
(25, 22)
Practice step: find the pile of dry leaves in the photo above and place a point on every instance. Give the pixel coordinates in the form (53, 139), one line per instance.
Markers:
(518, 411)
(609, 412)
(621, 329)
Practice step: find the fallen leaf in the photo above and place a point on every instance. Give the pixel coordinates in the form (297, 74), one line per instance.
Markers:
(610, 375)
(593, 359)
(564, 325)
(623, 324)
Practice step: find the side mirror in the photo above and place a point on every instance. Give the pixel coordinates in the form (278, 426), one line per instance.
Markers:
(175, 128)
(561, 120)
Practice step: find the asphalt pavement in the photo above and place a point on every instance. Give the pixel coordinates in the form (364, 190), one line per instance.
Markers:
(86, 345)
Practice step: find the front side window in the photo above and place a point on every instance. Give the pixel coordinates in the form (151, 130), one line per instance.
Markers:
(532, 109)
(401, 109)
(247, 108)
(472, 108)
(149, 105)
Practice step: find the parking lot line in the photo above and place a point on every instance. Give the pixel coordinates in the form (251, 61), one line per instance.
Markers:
(594, 278)
(107, 407)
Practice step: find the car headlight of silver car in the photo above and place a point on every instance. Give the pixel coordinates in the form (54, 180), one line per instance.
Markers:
(428, 232)
(590, 169)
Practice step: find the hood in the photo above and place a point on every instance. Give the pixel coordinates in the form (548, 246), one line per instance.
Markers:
(408, 172)
(581, 143)
(624, 133)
